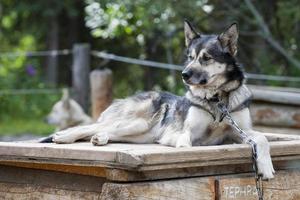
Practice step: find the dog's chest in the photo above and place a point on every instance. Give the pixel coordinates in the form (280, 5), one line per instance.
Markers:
(205, 130)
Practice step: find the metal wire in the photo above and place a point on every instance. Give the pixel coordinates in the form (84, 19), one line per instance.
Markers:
(29, 91)
(35, 53)
(110, 56)
(149, 63)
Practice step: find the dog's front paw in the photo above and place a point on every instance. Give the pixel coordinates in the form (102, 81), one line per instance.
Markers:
(183, 141)
(100, 139)
(265, 167)
(63, 137)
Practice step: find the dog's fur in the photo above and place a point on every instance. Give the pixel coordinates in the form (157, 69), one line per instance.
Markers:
(211, 74)
(67, 113)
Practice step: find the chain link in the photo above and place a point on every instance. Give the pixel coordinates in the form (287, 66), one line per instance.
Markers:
(258, 179)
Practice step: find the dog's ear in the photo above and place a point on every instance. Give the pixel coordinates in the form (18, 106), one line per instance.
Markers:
(189, 32)
(229, 39)
(66, 98)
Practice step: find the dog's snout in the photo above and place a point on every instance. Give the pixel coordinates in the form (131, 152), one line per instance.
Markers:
(186, 75)
(203, 81)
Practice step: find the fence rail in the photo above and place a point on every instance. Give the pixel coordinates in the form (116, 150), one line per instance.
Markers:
(149, 63)
(35, 53)
(29, 91)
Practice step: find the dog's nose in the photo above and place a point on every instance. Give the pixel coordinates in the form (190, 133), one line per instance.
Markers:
(202, 81)
(186, 75)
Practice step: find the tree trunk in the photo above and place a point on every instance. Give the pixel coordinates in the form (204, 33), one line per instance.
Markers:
(52, 44)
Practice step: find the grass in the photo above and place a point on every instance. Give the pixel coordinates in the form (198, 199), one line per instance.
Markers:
(25, 126)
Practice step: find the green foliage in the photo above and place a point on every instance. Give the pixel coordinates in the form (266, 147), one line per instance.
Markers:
(23, 125)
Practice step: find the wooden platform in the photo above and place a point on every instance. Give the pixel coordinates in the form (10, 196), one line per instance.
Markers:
(132, 171)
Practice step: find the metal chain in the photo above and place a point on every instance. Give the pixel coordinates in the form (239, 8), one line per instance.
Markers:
(258, 178)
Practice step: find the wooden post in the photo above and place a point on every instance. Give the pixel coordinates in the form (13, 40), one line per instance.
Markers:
(101, 91)
(80, 74)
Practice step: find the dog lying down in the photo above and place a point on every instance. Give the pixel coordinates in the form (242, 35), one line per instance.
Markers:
(67, 113)
(211, 74)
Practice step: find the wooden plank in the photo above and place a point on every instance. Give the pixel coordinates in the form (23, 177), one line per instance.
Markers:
(182, 189)
(272, 88)
(74, 169)
(285, 186)
(280, 130)
(281, 137)
(275, 96)
(277, 115)
(134, 156)
(113, 154)
(182, 171)
(217, 154)
(66, 181)
(26, 191)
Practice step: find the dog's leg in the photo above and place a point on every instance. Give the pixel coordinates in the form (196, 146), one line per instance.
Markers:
(117, 133)
(264, 162)
(184, 140)
(76, 133)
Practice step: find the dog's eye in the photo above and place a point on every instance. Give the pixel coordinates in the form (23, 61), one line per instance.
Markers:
(206, 57)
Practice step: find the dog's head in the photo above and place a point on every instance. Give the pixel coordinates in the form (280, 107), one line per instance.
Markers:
(65, 112)
(211, 59)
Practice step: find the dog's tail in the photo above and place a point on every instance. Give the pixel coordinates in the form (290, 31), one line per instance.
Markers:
(48, 139)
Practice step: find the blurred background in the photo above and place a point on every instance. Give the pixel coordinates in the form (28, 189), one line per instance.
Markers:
(37, 38)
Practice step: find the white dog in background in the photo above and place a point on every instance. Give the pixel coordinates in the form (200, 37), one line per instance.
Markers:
(67, 113)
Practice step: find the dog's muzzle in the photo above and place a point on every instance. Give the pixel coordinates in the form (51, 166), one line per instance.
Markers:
(194, 78)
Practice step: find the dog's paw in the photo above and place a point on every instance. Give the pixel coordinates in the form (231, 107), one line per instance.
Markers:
(265, 167)
(100, 139)
(62, 137)
(264, 161)
(183, 141)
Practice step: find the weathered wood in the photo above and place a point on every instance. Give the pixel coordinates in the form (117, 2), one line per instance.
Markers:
(20, 183)
(289, 98)
(101, 91)
(193, 188)
(280, 130)
(285, 186)
(272, 88)
(25, 192)
(281, 137)
(80, 74)
(278, 115)
(129, 162)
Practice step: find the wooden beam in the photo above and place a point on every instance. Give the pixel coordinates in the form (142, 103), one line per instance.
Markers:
(289, 98)
(274, 129)
(192, 188)
(243, 187)
(101, 91)
(281, 137)
(138, 157)
(276, 115)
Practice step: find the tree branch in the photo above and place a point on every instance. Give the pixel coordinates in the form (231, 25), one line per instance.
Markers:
(266, 34)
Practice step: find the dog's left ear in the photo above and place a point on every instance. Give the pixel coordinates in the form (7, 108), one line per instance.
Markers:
(189, 32)
(66, 98)
(229, 39)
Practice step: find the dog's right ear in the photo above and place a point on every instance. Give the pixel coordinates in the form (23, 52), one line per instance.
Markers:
(189, 32)
(66, 98)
